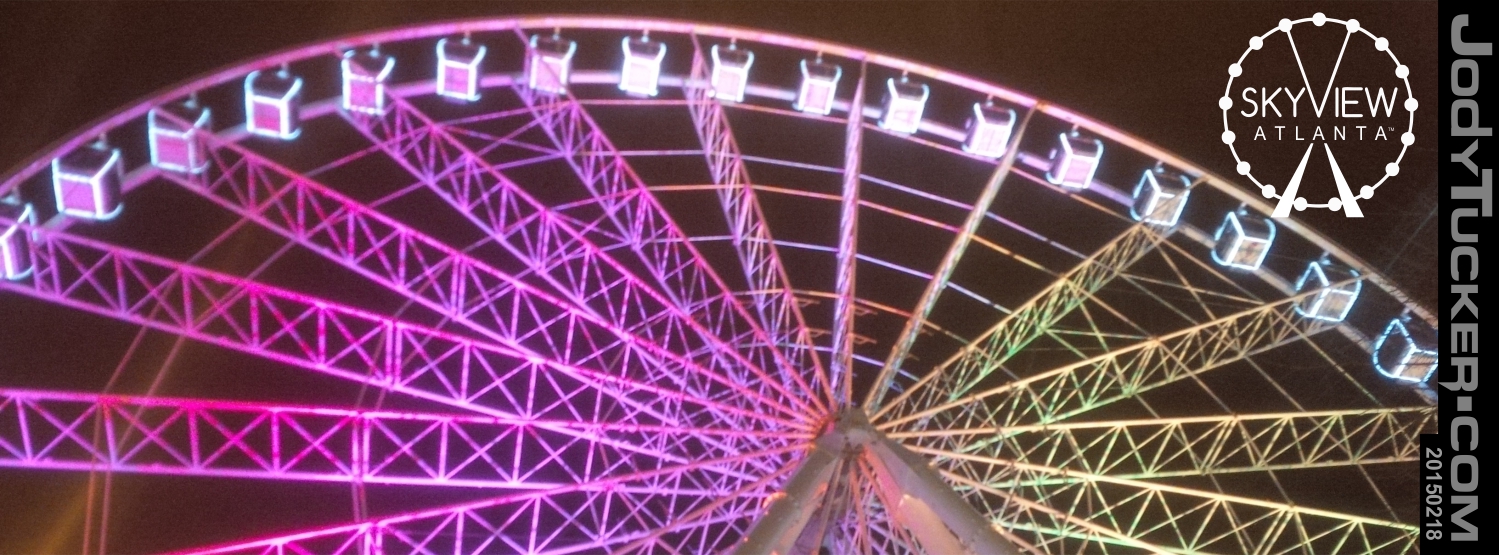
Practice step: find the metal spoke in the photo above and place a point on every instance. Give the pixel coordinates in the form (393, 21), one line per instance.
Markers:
(769, 286)
(596, 363)
(450, 282)
(1195, 446)
(507, 523)
(659, 242)
(556, 250)
(50, 430)
(848, 237)
(940, 279)
(1126, 372)
(1195, 520)
(349, 344)
(968, 367)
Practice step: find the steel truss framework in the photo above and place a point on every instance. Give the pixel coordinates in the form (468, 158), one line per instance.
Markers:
(615, 371)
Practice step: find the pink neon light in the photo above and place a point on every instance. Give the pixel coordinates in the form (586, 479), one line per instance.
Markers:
(196, 437)
(542, 241)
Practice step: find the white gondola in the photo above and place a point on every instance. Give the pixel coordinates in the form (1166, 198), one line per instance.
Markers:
(458, 68)
(904, 103)
(1406, 351)
(642, 67)
(1334, 294)
(364, 79)
(87, 182)
(1160, 197)
(819, 85)
(174, 132)
(273, 104)
(1074, 160)
(730, 72)
(15, 242)
(549, 63)
(989, 130)
(1243, 240)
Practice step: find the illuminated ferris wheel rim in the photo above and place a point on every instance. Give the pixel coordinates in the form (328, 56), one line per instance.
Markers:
(338, 47)
(749, 422)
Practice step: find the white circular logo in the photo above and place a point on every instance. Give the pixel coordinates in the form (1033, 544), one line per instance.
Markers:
(1282, 119)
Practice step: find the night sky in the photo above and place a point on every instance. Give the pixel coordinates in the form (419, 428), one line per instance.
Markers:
(1155, 69)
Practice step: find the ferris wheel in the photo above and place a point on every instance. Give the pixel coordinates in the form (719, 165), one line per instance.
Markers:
(615, 285)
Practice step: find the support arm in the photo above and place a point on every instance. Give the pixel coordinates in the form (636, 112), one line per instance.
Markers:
(778, 529)
(929, 507)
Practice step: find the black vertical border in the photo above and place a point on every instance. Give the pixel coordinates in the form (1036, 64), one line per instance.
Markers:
(1449, 458)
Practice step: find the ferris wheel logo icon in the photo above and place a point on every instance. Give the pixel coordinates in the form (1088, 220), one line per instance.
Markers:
(1338, 121)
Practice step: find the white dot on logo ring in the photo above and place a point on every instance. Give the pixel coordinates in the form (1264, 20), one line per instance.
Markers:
(1256, 43)
(1234, 70)
(1366, 192)
(1352, 26)
(1381, 43)
(1408, 138)
(1392, 169)
(1300, 204)
(1411, 104)
(1228, 137)
(1402, 72)
(1335, 204)
(1225, 103)
(1268, 191)
(1243, 169)
(1285, 25)
(1319, 18)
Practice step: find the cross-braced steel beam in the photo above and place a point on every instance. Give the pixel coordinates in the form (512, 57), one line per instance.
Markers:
(968, 367)
(55, 431)
(770, 289)
(1181, 519)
